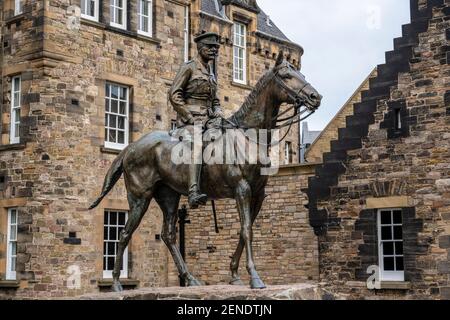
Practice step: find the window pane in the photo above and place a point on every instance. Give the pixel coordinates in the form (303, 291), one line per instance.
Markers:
(399, 248)
(389, 264)
(113, 233)
(386, 233)
(108, 90)
(398, 233)
(16, 99)
(114, 106)
(92, 8)
(112, 121)
(121, 137)
(399, 262)
(397, 217)
(110, 263)
(385, 217)
(122, 219)
(13, 233)
(13, 216)
(123, 106)
(13, 264)
(123, 93)
(113, 218)
(388, 248)
(16, 130)
(111, 249)
(105, 233)
(121, 123)
(112, 136)
(13, 247)
(114, 92)
(105, 261)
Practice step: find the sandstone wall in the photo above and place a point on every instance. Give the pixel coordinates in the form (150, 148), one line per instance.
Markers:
(285, 248)
(407, 168)
(57, 170)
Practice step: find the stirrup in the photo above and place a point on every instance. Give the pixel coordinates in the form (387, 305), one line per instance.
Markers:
(196, 199)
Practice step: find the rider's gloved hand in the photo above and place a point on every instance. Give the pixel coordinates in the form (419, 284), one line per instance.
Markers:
(218, 113)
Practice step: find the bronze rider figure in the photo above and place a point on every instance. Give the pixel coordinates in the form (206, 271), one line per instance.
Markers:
(193, 95)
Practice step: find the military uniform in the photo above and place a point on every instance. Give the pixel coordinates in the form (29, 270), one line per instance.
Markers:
(194, 92)
(193, 95)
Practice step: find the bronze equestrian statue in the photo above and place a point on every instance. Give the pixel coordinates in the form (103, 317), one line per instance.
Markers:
(150, 174)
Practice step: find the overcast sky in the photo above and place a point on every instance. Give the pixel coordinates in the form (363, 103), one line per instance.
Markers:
(343, 41)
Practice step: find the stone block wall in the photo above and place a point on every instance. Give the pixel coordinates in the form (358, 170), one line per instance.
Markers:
(374, 166)
(285, 248)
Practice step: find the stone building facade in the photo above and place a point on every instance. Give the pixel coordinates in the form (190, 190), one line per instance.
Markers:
(380, 202)
(77, 83)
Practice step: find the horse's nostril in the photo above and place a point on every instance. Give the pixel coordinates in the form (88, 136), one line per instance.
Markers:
(313, 96)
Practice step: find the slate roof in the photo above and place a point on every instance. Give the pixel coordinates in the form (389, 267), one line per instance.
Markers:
(211, 6)
(271, 29)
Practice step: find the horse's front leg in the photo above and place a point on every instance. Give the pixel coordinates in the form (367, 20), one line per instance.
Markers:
(257, 202)
(243, 200)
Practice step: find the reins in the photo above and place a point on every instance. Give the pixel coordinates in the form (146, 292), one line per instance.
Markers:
(288, 121)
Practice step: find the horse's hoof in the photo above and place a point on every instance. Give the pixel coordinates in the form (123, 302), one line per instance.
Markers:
(194, 283)
(257, 283)
(117, 287)
(237, 282)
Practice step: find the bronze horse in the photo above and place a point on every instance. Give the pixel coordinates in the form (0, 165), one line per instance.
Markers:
(150, 174)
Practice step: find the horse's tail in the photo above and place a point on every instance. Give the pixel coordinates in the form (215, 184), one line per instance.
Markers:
(113, 175)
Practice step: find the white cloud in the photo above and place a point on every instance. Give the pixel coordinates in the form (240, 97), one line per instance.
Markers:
(343, 41)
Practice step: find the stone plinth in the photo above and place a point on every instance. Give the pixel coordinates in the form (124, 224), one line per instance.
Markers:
(286, 292)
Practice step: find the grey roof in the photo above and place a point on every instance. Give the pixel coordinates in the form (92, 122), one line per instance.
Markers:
(308, 137)
(210, 7)
(214, 8)
(271, 29)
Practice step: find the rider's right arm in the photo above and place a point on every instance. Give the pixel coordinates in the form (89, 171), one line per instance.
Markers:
(176, 93)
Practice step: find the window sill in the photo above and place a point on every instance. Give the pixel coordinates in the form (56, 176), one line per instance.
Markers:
(9, 284)
(15, 19)
(106, 283)
(110, 150)
(242, 86)
(395, 285)
(14, 146)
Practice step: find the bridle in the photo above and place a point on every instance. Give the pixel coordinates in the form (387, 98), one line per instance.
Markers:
(298, 116)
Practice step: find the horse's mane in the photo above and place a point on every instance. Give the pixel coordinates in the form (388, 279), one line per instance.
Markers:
(250, 101)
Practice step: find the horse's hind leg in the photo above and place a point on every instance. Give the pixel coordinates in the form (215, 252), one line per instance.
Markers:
(138, 207)
(257, 202)
(168, 201)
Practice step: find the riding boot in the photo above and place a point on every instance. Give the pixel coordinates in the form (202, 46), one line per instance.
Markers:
(196, 198)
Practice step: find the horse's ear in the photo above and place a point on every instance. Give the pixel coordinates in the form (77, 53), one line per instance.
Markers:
(280, 58)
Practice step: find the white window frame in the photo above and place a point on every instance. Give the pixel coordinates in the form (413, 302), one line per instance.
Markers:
(389, 276)
(87, 16)
(18, 8)
(186, 33)
(145, 15)
(108, 274)
(112, 9)
(287, 152)
(10, 273)
(116, 145)
(14, 134)
(240, 45)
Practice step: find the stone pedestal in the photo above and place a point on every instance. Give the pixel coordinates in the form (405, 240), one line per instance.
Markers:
(286, 292)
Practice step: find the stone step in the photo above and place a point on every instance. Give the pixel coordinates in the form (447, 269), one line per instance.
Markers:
(334, 156)
(353, 132)
(346, 144)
